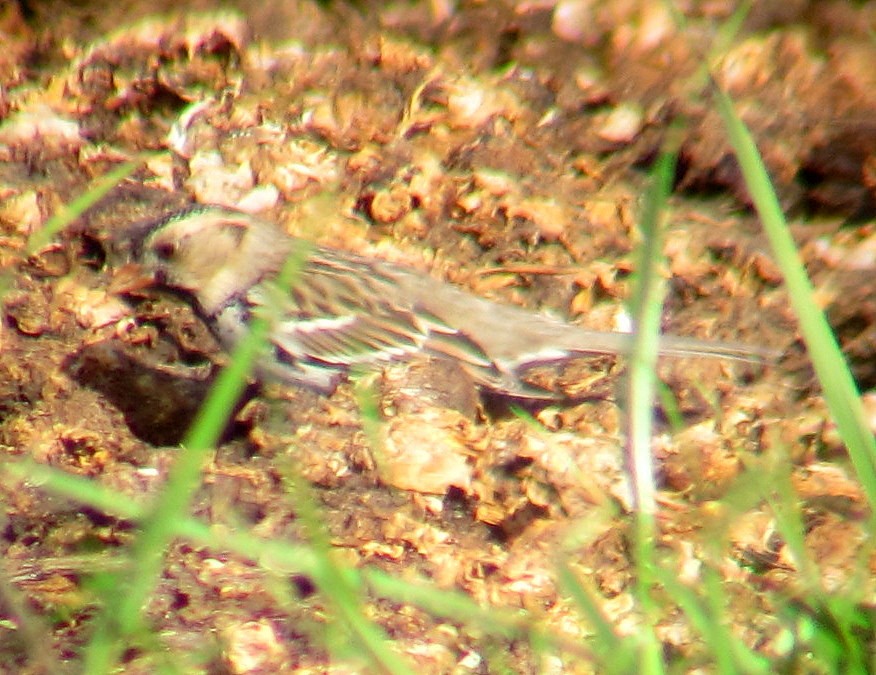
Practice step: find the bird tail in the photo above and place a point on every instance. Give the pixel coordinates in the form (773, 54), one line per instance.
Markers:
(508, 373)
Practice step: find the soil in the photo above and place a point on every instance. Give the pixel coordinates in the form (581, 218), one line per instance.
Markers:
(500, 146)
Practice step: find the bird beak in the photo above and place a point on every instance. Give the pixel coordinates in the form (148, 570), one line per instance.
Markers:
(130, 279)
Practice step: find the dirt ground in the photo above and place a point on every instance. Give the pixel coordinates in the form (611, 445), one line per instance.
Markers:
(502, 147)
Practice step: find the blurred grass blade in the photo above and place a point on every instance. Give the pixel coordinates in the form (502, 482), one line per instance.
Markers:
(66, 215)
(836, 380)
(79, 205)
(123, 617)
(339, 588)
(456, 606)
(82, 490)
(646, 307)
(707, 613)
(612, 652)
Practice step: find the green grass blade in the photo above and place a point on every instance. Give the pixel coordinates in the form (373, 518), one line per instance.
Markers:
(646, 305)
(99, 188)
(339, 587)
(66, 215)
(706, 612)
(124, 615)
(612, 651)
(836, 380)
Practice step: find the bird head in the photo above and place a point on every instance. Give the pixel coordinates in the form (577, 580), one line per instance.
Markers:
(212, 253)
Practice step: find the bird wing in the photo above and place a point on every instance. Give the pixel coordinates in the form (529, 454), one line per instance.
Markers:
(345, 311)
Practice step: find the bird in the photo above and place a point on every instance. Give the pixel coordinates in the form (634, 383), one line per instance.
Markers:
(344, 311)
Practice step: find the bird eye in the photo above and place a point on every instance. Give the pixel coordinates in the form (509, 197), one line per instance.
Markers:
(165, 250)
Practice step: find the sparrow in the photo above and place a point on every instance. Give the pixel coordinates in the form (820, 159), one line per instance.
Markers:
(344, 311)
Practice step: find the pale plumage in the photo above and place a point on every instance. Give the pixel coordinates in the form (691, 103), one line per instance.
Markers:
(345, 311)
